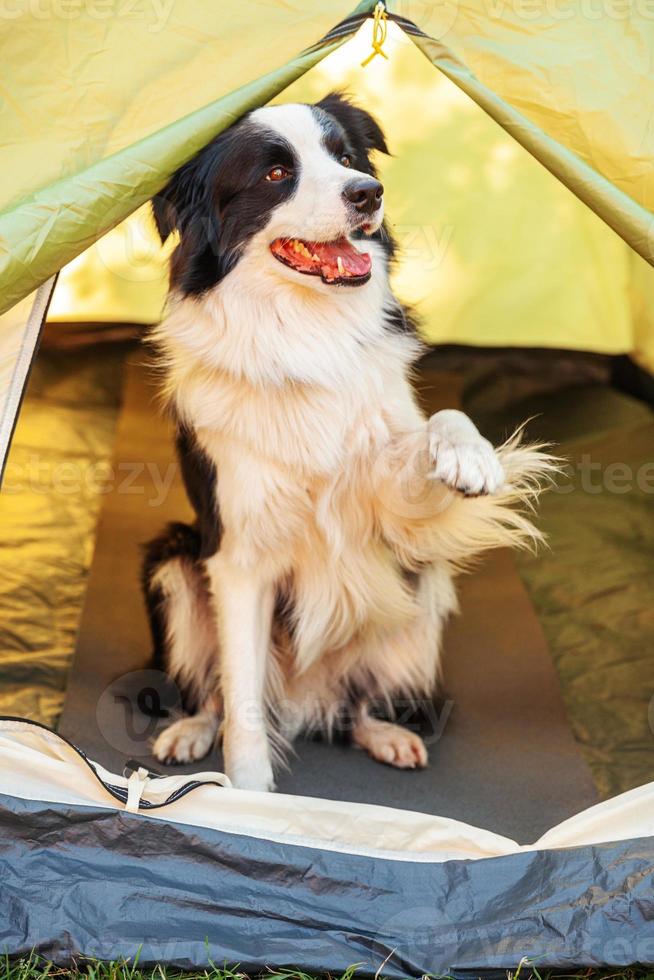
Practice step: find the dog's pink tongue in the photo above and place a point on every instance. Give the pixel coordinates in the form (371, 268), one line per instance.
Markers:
(351, 262)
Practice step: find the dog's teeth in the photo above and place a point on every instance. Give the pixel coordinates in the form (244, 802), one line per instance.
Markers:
(315, 257)
(339, 263)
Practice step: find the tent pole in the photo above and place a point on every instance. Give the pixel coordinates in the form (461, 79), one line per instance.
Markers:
(28, 349)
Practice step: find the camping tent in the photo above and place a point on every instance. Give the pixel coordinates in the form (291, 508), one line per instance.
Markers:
(91, 133)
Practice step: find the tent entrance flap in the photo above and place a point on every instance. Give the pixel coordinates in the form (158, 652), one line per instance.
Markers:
(488, 753)
(632, 222)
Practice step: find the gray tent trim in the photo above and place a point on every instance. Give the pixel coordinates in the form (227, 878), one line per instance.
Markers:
(85, 873)
(191, 896)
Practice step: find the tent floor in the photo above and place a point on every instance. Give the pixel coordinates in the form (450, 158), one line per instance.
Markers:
(49, 507)
(502, 754)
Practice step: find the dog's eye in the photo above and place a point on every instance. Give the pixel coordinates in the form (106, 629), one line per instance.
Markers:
(277, 173)
(346, 160)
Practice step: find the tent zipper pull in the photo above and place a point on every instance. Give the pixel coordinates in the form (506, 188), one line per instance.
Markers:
(135, 786)
(379, 32)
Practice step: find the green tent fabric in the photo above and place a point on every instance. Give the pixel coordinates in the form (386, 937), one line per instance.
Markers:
(628, 218)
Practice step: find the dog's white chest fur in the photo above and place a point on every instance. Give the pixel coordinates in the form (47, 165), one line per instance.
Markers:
(295, 446)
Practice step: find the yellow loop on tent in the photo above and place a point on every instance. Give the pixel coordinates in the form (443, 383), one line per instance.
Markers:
(379, 31)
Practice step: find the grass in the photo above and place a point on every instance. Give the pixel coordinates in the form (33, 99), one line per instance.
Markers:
(33, 968)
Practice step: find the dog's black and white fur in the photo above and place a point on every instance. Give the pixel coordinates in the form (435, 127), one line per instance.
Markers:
(332, 516)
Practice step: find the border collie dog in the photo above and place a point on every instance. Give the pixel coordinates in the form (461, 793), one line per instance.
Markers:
(332, 516)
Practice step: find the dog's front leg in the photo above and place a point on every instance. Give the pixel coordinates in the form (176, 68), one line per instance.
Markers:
(244, 605)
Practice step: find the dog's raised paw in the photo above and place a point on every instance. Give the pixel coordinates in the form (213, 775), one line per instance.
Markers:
(186, 740)
(460, 457)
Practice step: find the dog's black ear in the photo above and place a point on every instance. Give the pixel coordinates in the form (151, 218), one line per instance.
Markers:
(188, 206)
(164, 211)
(360, 126)
(174, 207)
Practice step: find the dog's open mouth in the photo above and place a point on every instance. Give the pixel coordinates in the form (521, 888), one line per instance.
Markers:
(336, 262)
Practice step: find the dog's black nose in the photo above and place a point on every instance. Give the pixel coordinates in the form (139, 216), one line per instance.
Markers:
(365, 194)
